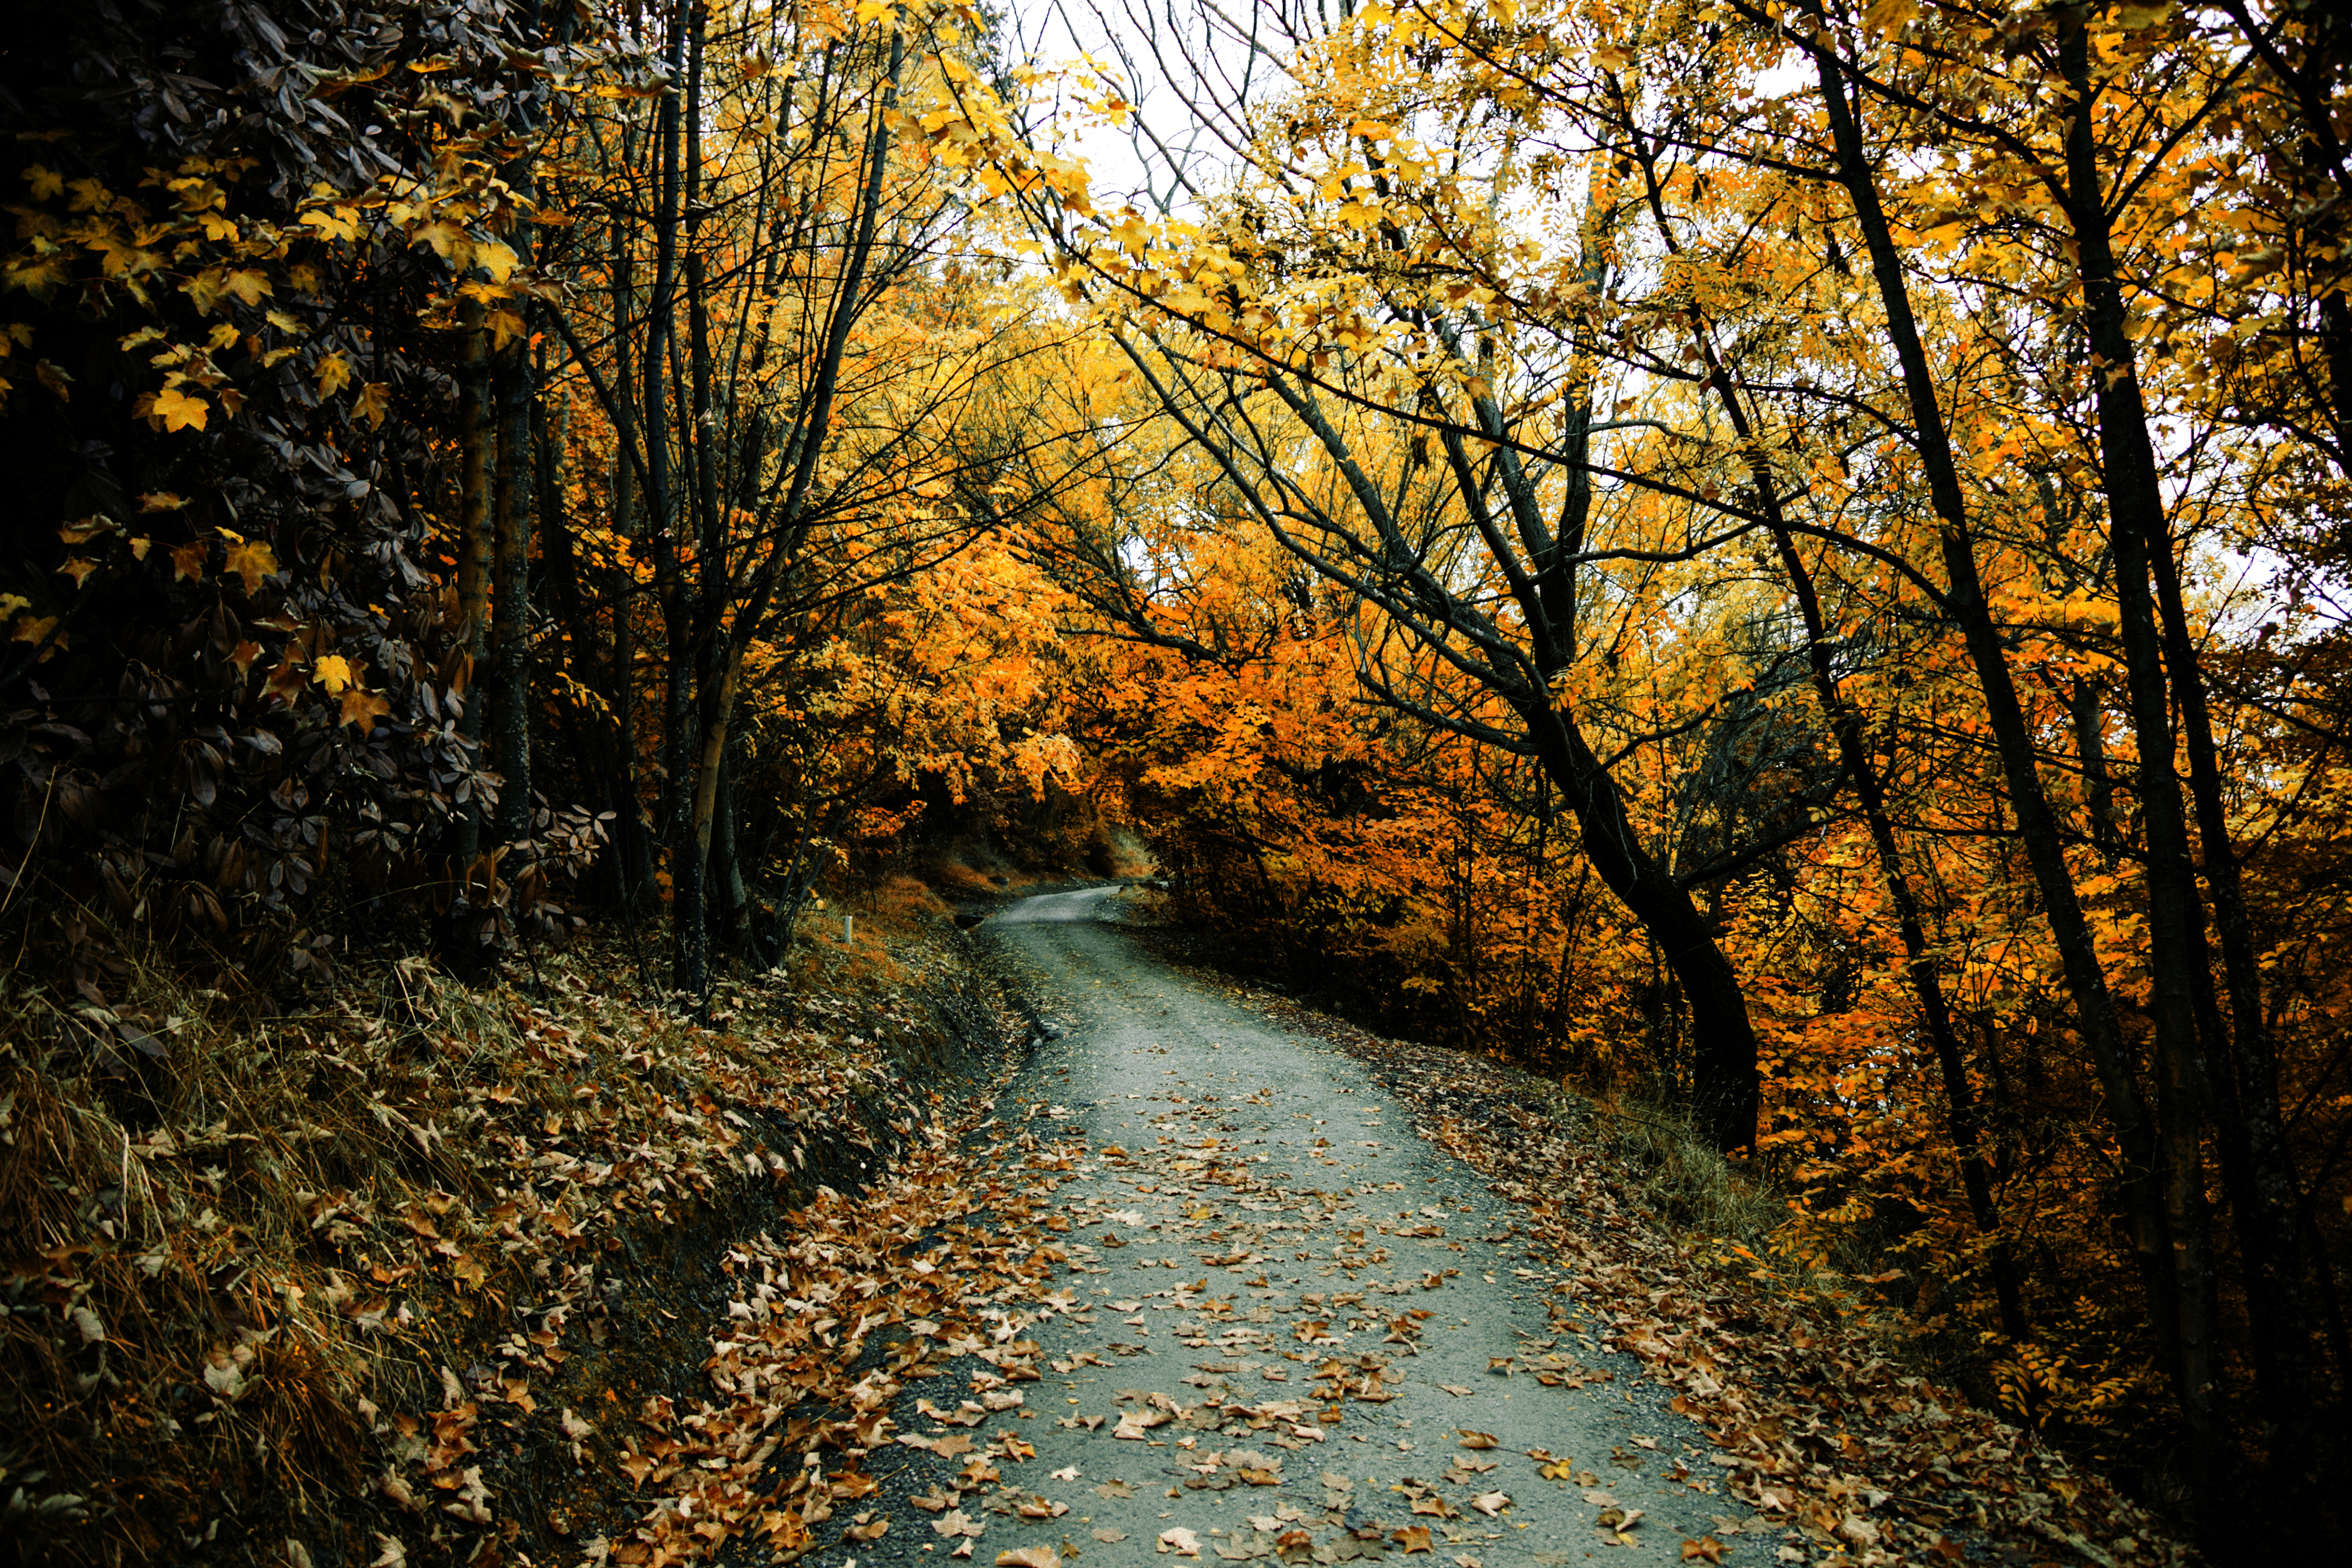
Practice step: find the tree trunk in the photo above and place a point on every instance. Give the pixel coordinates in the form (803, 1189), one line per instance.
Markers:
(2143, 544)
(475, 439)
(510, 684)
(676, 609)
(1724, 1089)
(693, 636)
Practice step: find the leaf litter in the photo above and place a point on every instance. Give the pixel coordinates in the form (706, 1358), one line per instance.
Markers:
(943, 1273)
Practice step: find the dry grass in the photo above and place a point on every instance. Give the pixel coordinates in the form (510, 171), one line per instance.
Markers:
(1678, 1172)
(222, 1265)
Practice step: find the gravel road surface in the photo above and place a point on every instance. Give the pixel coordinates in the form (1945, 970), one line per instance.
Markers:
(1290, 1328)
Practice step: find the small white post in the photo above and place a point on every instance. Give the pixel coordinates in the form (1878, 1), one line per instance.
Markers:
(848, 923)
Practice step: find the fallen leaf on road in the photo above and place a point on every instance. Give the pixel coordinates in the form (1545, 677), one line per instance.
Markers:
(1182, 1542)
(1110, 1535)
(1134, 1423)
(1490, 1503)
(957, 1523)
(1029, 1557)
(1412, 1538)
(1069, 1473)
(1455, 1389)
(1705, 1547)
(1478, 1439)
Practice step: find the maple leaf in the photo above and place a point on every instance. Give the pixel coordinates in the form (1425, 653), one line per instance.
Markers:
(250, 558)
(1412, 1538)
(333, 672)
(447, 239)
(178, 410)
(1705, 1548)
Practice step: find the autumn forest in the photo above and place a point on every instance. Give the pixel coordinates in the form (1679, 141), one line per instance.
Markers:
(1781, 565)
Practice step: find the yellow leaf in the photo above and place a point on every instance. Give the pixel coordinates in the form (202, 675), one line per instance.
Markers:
(1889, 16)
(77, 569)
(46, 182)
(333, 672)
(334, 374)
(874, 10)
(445, 238)
(497, 258)
(247, 285)
(251, 560)
(188, 562)
(179, 411)
(374, 403)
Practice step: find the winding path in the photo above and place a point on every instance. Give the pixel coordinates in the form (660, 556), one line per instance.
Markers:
(1253, 1226)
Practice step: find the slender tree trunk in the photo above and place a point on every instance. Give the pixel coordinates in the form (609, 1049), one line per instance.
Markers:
(2253, 1145)
(633, 858)
(1962, 1120)
(690, 827)
(676, 609)
(514, 387)
(474, 462)
(733, 924)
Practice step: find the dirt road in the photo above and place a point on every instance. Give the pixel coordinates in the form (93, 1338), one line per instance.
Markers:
(1290, 1329)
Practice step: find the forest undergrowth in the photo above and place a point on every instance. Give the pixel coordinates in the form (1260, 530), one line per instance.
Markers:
(372, 1271)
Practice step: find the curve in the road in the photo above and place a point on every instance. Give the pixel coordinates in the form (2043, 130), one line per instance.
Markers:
(1254, 1226)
